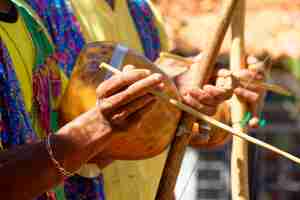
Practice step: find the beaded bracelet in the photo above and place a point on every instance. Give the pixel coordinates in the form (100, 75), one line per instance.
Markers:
(58, 166)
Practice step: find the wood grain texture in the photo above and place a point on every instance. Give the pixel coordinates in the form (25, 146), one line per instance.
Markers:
(239, 157)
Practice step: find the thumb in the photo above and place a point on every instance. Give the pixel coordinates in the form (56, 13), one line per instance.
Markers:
(198, 57)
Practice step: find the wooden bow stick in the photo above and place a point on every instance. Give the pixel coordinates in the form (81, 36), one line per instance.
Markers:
(201, 74)
(239, 153)
(185, 108)
(266, 86)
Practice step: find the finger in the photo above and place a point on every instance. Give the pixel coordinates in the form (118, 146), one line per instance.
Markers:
(247, 95)
(257, 67)
(201, 96)
(217, 73)
(252, 60)
(220, 74)
(249, 75)
(138, 89)
(218, 94)
(227, 84)
(253, 87)
(120, 81)
(124, 112)
(198, 58)
(104, 105)
(223, 73)
(128, 68)
(160, 87)
(123, 123)
(208, 110)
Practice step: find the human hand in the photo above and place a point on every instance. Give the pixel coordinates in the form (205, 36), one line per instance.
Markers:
(252, 94)
(123, 95)
(207, 99)
(225, 83)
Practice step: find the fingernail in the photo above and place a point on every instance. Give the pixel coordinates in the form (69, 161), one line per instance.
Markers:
(157, 76)
(188, 98)
(148, 72)
(161, 86)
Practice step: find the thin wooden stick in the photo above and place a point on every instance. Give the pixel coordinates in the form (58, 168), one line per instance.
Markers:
(239, 152)
(212, 121)
(267, 86)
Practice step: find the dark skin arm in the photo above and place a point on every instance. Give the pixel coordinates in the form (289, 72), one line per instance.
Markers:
(27, 171)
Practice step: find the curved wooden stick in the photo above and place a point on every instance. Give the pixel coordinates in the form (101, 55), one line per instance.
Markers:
(239, 155)
(213, 121)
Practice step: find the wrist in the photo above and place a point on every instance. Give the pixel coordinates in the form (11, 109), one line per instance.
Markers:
(84, 137)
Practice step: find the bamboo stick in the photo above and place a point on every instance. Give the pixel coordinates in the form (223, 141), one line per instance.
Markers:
(239, 155)
(212, 121)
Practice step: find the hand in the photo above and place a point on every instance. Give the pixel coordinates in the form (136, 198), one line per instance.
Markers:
(251, 94)
(207, 99)
(136, 83)
(123, 95)
(210, 97)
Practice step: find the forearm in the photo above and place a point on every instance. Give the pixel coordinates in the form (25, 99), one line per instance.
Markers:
(28, 171)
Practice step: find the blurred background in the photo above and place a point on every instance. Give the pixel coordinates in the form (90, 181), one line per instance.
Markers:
(273, 31)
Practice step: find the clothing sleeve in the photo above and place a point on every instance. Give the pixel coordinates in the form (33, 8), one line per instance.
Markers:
(159, 22)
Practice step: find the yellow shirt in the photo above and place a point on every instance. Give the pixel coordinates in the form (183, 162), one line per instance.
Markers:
(123, 180)
(100, 23)
(20, 47)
